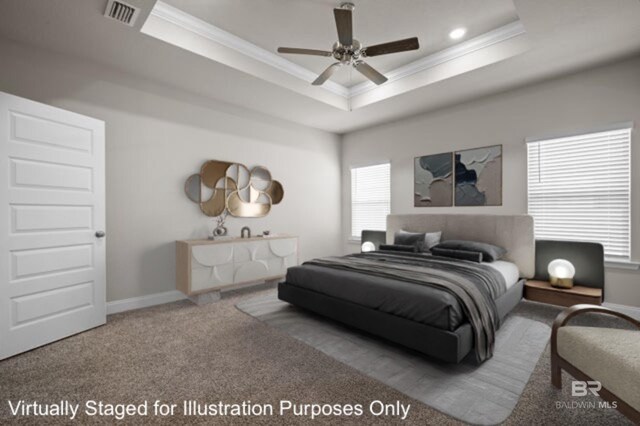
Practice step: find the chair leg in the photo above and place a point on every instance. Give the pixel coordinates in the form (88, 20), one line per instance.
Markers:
(556, 373)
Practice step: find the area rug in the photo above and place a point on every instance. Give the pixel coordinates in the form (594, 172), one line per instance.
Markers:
(485, 394)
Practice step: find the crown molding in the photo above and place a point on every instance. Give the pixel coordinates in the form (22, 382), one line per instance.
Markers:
(190, 23)
(482, 41)
(197, 26)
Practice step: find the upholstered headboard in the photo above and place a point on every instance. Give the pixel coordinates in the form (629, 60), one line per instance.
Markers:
(513, 232)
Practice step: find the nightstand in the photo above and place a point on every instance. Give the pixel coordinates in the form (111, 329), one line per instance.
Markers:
(542, 291)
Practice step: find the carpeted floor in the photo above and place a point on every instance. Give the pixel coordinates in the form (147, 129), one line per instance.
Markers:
(217, 353)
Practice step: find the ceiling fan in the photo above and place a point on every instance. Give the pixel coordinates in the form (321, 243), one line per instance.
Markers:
(349, 51)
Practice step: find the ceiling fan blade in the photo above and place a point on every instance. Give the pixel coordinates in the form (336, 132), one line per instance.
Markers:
(370, 72)
(296, 51)
(344, 24)
(326, 74)
(393, 47)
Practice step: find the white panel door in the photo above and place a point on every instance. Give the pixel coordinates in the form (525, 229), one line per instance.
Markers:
(52, 223)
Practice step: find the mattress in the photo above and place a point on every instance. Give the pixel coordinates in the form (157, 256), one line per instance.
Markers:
(426, 305)
(508, 270)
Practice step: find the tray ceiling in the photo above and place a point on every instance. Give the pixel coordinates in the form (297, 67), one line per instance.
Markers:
(309, 23)
(74, 35)
(407, 71)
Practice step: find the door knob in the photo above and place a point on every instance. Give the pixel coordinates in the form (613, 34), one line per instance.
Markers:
(100, 234)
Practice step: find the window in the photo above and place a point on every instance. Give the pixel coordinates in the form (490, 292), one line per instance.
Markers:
(370, 198)
(579, 189)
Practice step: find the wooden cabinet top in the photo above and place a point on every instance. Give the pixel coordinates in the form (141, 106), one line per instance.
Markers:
(576, 289)
(234, 240)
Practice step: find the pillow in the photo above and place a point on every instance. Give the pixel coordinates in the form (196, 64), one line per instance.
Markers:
(472, 256)
(423, 241)
(489, 251)
(398, 247)
(431, 239)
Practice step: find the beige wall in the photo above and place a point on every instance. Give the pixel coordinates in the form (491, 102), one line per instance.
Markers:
(580, 102)
(155, 138)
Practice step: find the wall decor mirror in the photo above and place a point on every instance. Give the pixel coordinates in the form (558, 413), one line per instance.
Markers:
(193, 188)
(231, 188)
(260, 178)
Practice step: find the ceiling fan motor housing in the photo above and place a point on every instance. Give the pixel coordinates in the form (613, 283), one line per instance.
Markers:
(347, 53)
(348, 5)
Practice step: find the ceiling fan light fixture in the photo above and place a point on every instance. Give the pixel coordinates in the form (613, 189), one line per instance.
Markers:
(458, 33)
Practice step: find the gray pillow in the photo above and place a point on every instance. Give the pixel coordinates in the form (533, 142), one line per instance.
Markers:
(489, 251)
(423, 241)
(396, 247)
(472, 256)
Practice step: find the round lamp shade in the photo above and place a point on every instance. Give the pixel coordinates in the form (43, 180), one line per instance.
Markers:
(561, 273)
(368, 246)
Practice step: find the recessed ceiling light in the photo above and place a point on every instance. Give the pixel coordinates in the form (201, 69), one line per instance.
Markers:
(458, 33)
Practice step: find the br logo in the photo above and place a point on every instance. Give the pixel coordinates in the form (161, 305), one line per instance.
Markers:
(579, 388)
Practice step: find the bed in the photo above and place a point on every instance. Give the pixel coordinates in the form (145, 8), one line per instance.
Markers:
(387, 294)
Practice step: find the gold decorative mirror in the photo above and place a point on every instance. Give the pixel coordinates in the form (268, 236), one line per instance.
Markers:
(222, 186)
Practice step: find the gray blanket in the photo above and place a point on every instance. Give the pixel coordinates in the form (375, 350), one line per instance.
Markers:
(474, 285)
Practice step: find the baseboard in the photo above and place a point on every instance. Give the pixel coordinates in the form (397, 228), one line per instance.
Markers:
(143, 301)
(632, 311)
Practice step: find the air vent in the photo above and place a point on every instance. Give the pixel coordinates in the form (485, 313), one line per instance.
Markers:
(121, 12)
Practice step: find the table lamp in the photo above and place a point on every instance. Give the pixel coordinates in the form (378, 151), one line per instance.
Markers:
(368, 246)
(561, 273)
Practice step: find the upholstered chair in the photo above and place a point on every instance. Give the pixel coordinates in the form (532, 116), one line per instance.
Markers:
(610, 356)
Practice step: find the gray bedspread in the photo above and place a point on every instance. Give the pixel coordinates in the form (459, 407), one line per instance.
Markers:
(418, 287)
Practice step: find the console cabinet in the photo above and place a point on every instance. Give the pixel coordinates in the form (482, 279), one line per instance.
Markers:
(208, 265)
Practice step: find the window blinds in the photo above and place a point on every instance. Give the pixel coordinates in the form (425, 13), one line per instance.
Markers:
(370, 198)
(579, 189)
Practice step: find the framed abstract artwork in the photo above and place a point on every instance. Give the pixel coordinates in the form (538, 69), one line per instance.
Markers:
(433, 180)
(478, 176)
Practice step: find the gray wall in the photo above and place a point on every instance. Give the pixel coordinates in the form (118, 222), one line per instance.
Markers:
(579, 102)
(155, 138)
